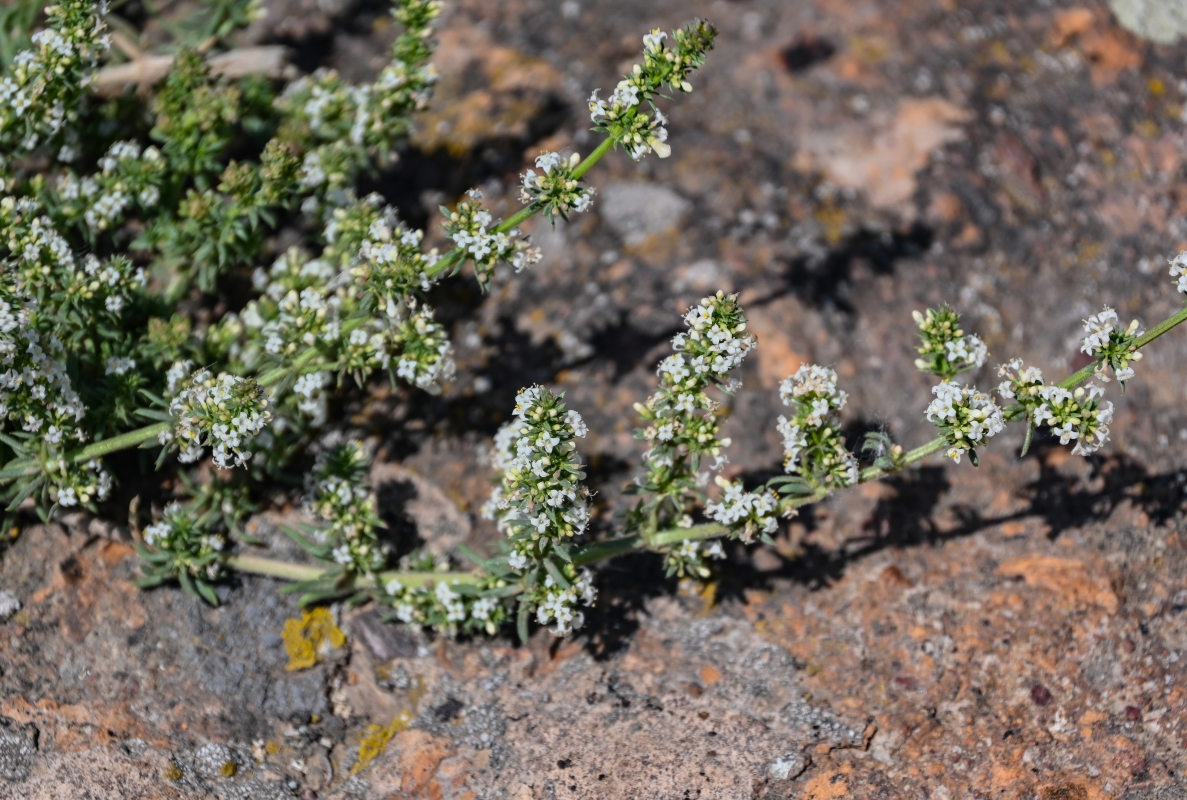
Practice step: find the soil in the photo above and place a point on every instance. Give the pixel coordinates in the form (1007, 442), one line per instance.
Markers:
(1015, 630)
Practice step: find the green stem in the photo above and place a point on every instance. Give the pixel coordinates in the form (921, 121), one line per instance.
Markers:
(285, 570)
(30, 466)
(273, 568)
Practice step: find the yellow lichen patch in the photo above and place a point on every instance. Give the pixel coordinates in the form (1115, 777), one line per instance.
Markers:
(376, 737)
(310, 635)
(173, 773)
(228, 769)
(832, 220)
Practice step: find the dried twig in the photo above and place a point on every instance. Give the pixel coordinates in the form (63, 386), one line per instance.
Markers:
(271, 60)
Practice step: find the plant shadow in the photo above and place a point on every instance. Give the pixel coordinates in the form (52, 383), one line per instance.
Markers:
(905, 518)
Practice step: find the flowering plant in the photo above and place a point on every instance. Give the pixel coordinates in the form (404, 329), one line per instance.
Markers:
(142, 306)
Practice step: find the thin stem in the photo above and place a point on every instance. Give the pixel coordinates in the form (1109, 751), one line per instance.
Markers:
(275, 568)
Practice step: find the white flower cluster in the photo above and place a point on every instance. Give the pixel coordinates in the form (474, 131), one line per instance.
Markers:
(41, 88)
(300, 305)
(382, 253)
(540, 502)
(966, 417)
(311, 397)
(812, 444)
(555, 187)
(339, 495)
(665, 68)
(746, 513)
(967, 350)
(44, 259)
(192, 548)
(473, 229)
(341, 127)
(682, 420)
(641, 133)
(1078, 415)
(1105, 340)
(224, 412)
(38, 404)
(443, 607)
(1178, 271)
(127, 174)
(559, 603)
(426, 354)
(1022, 383)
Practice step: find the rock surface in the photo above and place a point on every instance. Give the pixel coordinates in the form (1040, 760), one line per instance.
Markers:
(1014, 631)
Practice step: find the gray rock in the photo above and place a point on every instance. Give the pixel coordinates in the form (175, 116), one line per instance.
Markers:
(1161, 21)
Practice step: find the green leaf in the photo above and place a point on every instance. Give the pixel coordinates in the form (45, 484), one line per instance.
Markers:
(476, 559)
(556, 574)
(521, 622)
(150, 581)
(16, 444)
(320, 597)
(206, 592)
(187, 583)
(26, 490)
(318, 551)
(562, 550)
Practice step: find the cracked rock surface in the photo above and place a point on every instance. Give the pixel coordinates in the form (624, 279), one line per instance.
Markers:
(1018, 630)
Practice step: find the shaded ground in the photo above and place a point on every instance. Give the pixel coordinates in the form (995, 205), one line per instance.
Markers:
(1015, 631)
